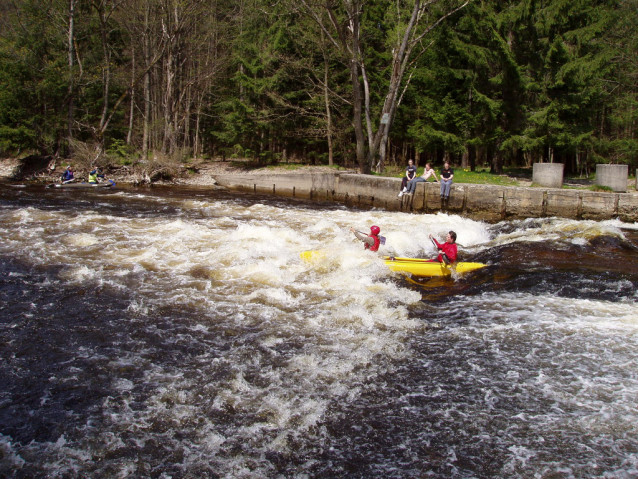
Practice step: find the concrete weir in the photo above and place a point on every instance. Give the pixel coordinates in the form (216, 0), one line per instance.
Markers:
(484, 202)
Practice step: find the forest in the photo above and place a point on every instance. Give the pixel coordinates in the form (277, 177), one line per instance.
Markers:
(354, 83)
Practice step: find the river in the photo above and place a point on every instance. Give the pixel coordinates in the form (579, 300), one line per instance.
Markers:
(176, 333)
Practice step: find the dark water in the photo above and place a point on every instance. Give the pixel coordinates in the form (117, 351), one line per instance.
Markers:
(176, 333)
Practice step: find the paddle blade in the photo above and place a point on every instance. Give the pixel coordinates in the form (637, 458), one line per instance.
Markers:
(311, 255)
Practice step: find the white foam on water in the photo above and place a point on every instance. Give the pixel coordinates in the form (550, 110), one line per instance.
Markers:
(81, 274)
(82, 239)
(346, 312)
(576, 232)
(9, 452)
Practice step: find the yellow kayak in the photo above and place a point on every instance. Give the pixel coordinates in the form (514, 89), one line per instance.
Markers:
(424, 268)
(414, 266)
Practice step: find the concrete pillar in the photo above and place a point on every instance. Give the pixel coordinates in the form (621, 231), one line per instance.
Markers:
(549, 175)
(612, 176)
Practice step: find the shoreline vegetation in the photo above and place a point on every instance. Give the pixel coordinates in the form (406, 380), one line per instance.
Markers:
(140, 90)
(46, 170)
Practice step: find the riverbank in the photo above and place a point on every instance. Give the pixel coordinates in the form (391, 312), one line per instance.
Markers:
(197, 174)
(477, 201)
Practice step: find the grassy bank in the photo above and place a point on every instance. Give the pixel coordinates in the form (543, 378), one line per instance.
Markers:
(515, 176)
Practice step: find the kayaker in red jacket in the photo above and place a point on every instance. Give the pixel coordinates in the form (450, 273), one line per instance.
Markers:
(371, 241)
(448, 249)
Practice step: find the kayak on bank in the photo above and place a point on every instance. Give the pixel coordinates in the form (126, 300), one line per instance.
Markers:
(414, 266)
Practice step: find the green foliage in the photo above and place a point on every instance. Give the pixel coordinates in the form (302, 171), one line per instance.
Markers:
(500, 84)
(15, 139)
(120, 152)
(483, 177)
(600, 188)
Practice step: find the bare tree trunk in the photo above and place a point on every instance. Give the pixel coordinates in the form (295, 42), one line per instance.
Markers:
(499, 159)
(358, 124)
(71, 52)
(198, 115)
(354, 14)
(328, 114)
(346, 41)
(106, 66)
(147, 114)
(472, 157)
(147, 83)
(167, 100)
(400, 58)
(129, 135)
(186, 139)
(366, 90)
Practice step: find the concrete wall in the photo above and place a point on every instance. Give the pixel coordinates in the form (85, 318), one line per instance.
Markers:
(485, 202)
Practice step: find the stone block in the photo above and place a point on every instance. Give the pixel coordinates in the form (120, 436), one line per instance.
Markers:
(483, 198)
(524, 202)
(456, 201)
(369, 185)
(563, 203)
(431, 196)
(628, 207)
(484, 202)
(598, 206)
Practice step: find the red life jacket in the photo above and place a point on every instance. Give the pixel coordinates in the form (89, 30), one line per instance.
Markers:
(375, 246)
(450, 251)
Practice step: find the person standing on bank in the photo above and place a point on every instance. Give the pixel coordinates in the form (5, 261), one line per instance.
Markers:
(410, 174)
(447, 174)
(424, 177)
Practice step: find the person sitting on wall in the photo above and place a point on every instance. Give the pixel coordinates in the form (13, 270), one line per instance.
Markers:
(424, 177)
(410, 174)
(446, 181)
(449, 250)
